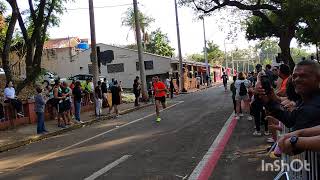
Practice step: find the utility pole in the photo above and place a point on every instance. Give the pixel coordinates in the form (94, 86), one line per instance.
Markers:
(233, 74)
(181, 82)
(205, 48)
(95, 70)
(140, 51)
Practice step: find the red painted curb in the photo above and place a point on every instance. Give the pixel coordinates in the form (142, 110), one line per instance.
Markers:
(215, 156)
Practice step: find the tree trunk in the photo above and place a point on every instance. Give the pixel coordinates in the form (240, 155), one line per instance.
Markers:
(284, 44)
(7, 45)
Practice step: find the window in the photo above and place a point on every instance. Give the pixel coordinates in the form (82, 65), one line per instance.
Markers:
(115, 68)
(148, 65)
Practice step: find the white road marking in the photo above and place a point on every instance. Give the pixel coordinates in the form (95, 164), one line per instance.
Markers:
(108, 168)
(96, 136)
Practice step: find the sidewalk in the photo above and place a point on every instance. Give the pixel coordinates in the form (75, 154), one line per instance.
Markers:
(244, 155)
(20, 136)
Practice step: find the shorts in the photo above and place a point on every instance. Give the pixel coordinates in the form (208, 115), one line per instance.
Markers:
(242, 98)
(162, 99)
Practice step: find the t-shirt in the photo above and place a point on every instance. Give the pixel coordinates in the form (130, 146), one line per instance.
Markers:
(168, 82)
(98, 92)
(115, 91)
(159, 85)
(283, 87)
(238, 84)
(77, 94)
(9, 93)
(225, 78)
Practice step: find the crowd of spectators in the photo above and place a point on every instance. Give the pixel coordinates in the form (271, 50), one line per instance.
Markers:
(281, 97)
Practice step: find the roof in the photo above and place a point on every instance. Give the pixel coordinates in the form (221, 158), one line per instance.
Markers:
(62, 43)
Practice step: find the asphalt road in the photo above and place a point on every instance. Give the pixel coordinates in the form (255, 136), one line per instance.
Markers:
(131, 147)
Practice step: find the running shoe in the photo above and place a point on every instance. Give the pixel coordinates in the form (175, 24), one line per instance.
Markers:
(158, 119)
(266, 133)
(237, 117)
(250, 118)
(256, 133)
(241, 114)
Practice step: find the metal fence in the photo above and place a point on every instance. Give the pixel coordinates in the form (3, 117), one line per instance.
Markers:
(308, 170)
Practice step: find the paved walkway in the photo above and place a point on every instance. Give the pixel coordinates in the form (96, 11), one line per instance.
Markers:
(243, 156)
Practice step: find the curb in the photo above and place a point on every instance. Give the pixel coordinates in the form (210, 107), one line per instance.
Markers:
(202, 89)
(37, 138)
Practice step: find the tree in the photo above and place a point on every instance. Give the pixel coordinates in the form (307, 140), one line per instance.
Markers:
(144, 20)
(309, 33)
(268, 49)
(278, 18)
(159, 44)
(215, 55)
(298, 53)
(33, 24)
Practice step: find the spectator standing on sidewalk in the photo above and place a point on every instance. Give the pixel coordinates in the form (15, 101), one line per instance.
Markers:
(98, 98)
(160, 92)
(77, 94)
(224, 78)
(67, 92)
(40, 103)
(10, 97)
(257, 108)
(284, 74)
(104, 89)
(171, 88)
(116, 92)
(59, 98)
(233, 89)
(242, 88)
(136, 91)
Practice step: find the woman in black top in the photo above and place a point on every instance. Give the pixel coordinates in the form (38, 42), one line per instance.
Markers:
(77, 94)
(116, 98)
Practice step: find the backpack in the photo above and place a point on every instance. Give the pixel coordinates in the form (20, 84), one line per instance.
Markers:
(243, 89)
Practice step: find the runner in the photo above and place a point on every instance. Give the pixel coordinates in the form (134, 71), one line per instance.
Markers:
(225, 81)
(160, 92)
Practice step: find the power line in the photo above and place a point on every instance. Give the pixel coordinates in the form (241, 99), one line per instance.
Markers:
(101, 7)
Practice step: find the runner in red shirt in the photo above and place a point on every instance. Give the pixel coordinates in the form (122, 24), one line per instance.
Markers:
(160, 92)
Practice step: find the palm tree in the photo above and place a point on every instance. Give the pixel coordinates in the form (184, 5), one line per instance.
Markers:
(145, 21)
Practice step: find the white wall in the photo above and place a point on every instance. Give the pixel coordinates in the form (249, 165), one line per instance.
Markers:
(129, 58)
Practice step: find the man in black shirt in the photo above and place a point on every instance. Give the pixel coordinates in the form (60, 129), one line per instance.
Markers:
(306, 79)
(98, 97)
(136, 91)
(225, 81)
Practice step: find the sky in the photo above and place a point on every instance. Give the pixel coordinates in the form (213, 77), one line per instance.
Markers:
(110, 31)
(75, 23)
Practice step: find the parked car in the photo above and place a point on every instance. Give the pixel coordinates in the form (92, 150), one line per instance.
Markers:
(49, 77)
(2, 71)
(81, 78)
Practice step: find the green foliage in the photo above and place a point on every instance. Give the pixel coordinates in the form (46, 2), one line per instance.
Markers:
(196, 57)
(215, 55)
(298, 53)
(129, 20)
(159, 44)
